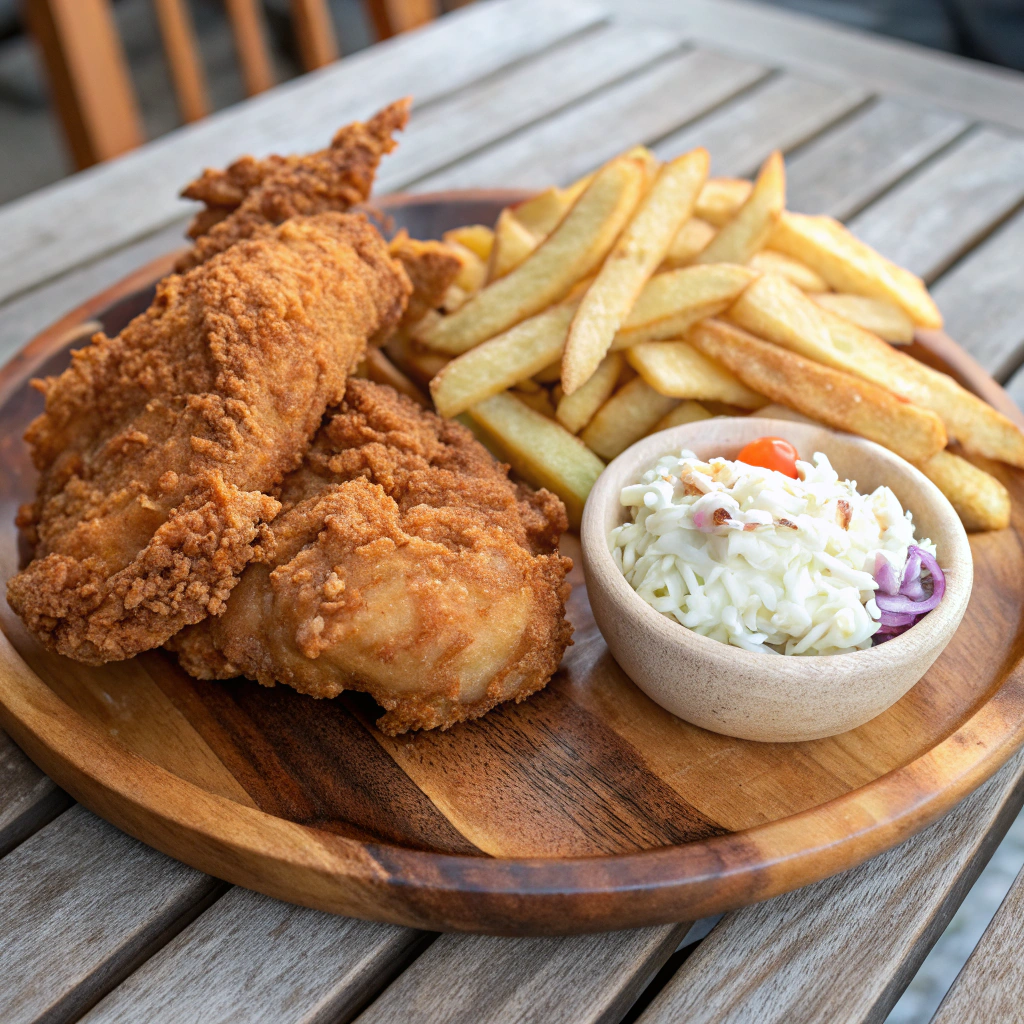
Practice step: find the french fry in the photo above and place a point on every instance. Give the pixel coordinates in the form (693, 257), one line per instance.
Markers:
(419, 363)
(551, 373)
(540, 450)
(678, 370)
(768, 261)
(573, 250)
(377, 367)
(753, 223)
(684, 412)
(673, 301)
(540, 214)
(626, 417)
(879, 316)
(849, 265)
(720, 198)
(830, 396)
(501, 362)
(693, 237)
(539, 401)
(476, 237)
(528, 386)
(575, 411)
(473, 273)
(513, 242)
(637, 254)
(980, 500)
(772, 308)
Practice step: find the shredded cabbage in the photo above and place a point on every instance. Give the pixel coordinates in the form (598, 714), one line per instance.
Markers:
(754, 558)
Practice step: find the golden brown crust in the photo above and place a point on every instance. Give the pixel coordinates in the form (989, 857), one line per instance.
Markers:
(432, 268)
(405, 564)
(157, 449)
(251, 195)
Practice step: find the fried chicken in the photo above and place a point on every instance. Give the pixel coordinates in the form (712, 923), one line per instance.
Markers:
(253, 195)
(405, 564)
(159, 449)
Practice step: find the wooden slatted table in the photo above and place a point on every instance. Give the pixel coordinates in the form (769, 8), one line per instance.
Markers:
(921, 153)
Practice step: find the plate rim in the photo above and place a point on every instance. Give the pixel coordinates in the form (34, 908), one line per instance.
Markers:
(493, 895)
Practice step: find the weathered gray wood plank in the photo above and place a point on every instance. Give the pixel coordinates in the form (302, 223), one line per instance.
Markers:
(477, 979)
(989, 986)
(841, 951)
(81, 904)
(641, 109)
(936, 215)
(251, 959)
(764, 32)
(981, 299)
(24, 317)
(512, 100)
(855, 162)
(780, 114)
(108, 206)
(28, 799)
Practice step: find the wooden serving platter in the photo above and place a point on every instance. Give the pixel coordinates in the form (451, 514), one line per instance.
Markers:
(585, 808)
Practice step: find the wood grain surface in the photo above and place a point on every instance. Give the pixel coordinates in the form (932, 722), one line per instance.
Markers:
(496, 824)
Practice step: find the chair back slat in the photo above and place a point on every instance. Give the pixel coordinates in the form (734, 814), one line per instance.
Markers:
(250, 41)
(182, 51)
(89, 78)
(390, 17)
(314, 32)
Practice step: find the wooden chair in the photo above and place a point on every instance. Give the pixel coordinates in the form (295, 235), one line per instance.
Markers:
(91, 84)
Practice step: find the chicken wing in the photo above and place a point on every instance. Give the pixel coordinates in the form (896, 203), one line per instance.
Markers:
(158, 448)
(251, 195)
(404, 564)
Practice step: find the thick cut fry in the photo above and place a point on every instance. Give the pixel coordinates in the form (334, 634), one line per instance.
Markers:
(980, 500)
(720, 198)
(541, 214)
(572, 251)
(551, 374)
(636, 255)
(499, 363)
(677, 369)
(837, 399)
(512, 244)
(674, 300)
(473, 272)
(473, 236)
(772, 308)
(768, 261)
(540, 450)
(749, 230)
(420, 364)
(849, 265)
(377, 367)
(626, 417)
(692, 238)
(575, 411)
(539, 401)
(879, 316)
(684, 412)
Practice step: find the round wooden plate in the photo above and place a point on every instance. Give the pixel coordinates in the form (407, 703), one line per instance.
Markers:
(587, 807)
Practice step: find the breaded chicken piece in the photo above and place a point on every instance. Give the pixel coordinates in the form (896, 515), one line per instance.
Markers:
(432, 267)
(251, 195)
(404, 564)
(158, 448)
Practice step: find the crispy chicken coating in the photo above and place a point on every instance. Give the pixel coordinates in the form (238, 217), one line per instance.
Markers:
(405, 564)
(159, 449)
(251, 195)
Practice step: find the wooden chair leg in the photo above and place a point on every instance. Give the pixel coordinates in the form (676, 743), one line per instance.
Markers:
(314, 32)
(390, 17)
(183, 57)
(250, 40)
(88, 75)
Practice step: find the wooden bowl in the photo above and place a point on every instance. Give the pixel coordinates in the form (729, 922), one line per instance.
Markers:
(755, 696)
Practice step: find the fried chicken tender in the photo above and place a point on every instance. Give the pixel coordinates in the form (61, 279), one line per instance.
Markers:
(159, 449)
(404, 564)
(252, 195)
(432, 267)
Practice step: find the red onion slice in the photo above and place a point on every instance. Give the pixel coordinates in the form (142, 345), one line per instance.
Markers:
(905, 605)
(885, 575)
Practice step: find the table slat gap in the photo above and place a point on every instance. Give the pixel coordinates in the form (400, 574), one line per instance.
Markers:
(28, 799)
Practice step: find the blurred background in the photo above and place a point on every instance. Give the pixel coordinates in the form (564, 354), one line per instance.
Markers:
(34, 150)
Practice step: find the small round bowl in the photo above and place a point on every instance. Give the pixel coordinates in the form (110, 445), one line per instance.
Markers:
(759, 696)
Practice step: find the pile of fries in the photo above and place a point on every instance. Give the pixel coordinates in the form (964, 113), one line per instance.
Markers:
(648, 295)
